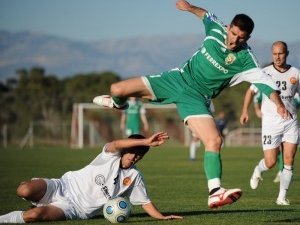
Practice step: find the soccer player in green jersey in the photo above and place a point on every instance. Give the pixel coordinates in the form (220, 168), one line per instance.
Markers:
(133, 119)
(223, 59)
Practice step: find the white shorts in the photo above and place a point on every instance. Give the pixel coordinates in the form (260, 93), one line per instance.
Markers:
(275, 130)
(57, 195)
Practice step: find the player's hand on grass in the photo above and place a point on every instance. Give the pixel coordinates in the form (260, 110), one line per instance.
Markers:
(173, 217)
(157, 139)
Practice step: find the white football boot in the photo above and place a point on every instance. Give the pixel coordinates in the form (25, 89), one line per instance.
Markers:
(107, 101)
(255, 179)
(224, 197)
(282, 201)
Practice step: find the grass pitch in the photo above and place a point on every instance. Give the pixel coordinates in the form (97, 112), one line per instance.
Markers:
(175, 185)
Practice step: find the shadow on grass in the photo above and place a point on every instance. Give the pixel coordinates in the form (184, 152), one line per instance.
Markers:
(209, 212)
(294, 220)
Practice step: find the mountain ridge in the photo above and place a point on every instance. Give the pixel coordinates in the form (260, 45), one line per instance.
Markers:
(127, 57)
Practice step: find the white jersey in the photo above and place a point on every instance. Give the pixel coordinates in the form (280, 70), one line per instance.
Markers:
(91, 186)
(288, 83)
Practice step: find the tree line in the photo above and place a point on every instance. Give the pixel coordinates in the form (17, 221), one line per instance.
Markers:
(36, 96)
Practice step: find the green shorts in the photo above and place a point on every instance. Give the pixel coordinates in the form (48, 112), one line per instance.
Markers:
(170, 87)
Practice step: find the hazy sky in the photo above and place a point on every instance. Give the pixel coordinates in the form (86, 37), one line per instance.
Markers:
(91, 20)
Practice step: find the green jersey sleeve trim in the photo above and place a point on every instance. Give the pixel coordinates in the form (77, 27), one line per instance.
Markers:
(267, 90)
(210, 22)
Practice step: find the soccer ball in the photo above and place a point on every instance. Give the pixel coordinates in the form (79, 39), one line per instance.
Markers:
(117, 210)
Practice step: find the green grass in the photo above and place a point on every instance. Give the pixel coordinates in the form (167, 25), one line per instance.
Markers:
(175, 185)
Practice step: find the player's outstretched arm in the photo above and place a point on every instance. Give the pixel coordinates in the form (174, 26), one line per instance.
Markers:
(247, 101)
(282, 111)
(257, 110)
(153, 212)
(153, 141)
(186, 6)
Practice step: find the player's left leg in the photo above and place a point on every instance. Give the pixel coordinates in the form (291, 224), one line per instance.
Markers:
(205, 129)
(44, 213)
(280, 166)
(32, 190)
(289, 152)
(120, 91)
(269, 160)
(12, 217)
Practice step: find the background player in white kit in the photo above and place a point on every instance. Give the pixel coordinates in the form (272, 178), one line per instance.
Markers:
(257, 99)
(275, 130)
(80, 194)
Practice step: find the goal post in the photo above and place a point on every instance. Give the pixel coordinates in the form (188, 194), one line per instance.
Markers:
(92, 124)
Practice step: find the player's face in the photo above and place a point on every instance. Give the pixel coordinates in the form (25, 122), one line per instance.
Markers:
(235, 37)
(129, 159)
(279, 54)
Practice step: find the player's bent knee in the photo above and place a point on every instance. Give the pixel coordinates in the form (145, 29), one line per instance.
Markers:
(116, 89)
(214, 143)
(270, 163)
(23, 190)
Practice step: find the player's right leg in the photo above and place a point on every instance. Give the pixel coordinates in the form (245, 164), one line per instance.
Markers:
(32, 190)
(120, 91)
(280, 166)
(287, 172)
(44, 213)
(205, 129)
(269, 160)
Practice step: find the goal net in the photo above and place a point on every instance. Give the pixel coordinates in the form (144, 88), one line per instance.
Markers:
(94, 125)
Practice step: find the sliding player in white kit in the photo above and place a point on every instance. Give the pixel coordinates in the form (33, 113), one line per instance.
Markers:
(275, 130)
(80, 194)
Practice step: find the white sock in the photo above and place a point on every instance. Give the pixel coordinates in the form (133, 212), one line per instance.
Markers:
(193, 149)
(12, 217)
(213, 183)
(285, 181)
(261, 167)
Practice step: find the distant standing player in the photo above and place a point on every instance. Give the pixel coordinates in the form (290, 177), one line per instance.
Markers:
(224, 59)
(275, 130)
(133, 119)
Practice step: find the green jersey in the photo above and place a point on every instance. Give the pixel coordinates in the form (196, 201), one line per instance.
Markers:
(258, 97)
(133, 117)
(214, 67)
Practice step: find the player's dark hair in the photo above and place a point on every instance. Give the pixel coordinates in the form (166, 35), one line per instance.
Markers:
(244, 22)
(141, 149)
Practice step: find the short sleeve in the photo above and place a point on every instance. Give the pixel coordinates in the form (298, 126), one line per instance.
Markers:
(104, 156)
(138, 194)
(211, 22)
